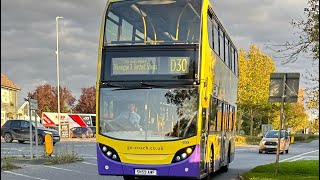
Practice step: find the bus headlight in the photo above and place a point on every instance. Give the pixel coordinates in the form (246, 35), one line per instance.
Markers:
(183, 154)
(104, 149)
(110, 152)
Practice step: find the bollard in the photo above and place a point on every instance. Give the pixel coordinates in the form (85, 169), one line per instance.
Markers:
(48, 141)
(292, 140)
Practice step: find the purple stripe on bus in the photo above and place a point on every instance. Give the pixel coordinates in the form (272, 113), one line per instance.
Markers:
(186, 168)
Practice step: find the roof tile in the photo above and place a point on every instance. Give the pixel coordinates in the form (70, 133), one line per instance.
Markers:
(6, 82)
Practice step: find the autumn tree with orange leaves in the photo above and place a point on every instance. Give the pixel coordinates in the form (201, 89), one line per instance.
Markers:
(47, 97)
(87, 101)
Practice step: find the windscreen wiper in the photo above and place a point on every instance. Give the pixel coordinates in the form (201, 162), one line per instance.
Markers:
(163, 85)
(130, 88)
(111, 84)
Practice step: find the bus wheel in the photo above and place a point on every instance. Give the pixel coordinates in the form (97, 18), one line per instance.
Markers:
(128, 177)
(225, 168)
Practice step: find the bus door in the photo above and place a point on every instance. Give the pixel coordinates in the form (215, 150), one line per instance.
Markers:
(204, 140)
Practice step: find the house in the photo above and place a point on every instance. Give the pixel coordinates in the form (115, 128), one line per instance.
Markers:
(23, 112)
(9, 99)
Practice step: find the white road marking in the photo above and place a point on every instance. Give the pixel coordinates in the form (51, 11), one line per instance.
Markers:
(298, 156)
(23, 175)
(86, 155)
(89, 163)
(64, 169)
(12, 149)
(90, 157)
(305, 157)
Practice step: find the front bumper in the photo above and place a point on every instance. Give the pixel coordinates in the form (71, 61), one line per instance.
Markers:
(56, 139)
(270, 148)
(187, 168)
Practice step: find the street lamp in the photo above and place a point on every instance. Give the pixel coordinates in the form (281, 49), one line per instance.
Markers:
(57, 53)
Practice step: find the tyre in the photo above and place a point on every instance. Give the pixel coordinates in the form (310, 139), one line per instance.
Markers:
(54, 143)
(40, 139)
(8, 137)
(260, 151)
(21, 141)
(83, 136)
(225, 168)
(128, 177)
(287, 151)
(210, 166)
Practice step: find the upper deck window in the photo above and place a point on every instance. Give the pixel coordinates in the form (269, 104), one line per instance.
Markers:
(153, 22)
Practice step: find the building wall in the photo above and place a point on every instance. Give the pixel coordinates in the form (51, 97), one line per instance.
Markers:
(9, 104)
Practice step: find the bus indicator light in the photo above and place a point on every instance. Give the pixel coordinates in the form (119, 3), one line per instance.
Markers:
(189, 151)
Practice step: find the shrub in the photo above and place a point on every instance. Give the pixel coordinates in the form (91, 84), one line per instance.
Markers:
(247, 140)
(7, 164)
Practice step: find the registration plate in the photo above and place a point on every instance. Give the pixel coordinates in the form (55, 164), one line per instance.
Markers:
(145, 172)
(56, 138)
(270, 146)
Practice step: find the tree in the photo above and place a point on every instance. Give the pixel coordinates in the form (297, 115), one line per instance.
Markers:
(314, 127)
(308, 33)
(255, 68)
(47, 97)
(308, 42)
(87, 101)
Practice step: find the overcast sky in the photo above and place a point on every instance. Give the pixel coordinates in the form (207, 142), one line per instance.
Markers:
(28, 37)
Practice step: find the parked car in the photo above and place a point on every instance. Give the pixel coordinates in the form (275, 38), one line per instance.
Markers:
(93, 128)
(20, 130)
(83, 132)
(269, 142)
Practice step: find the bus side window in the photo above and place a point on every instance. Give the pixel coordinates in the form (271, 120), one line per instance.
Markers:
(236, 62)
(210, 31)
(232, 59)
(227, 51)
(213, 114)
(221, 42)
(226, 117)
(219, 116)
(216, 37)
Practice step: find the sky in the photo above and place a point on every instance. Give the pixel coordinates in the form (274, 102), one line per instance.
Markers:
(28, 37)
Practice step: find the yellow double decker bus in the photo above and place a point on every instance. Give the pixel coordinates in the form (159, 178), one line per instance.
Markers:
(166, 90)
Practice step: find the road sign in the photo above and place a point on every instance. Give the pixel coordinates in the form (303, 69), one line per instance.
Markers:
(287, 81)
(33, 104)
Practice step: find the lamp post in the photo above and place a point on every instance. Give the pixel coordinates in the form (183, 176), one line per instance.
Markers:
(57, 53)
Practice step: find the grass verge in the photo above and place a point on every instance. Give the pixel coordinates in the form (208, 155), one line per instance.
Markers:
(63, 155)
(7, 164)
(306, 169)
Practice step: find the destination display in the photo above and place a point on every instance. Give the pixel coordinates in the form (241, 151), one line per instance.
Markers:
(150, 65)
